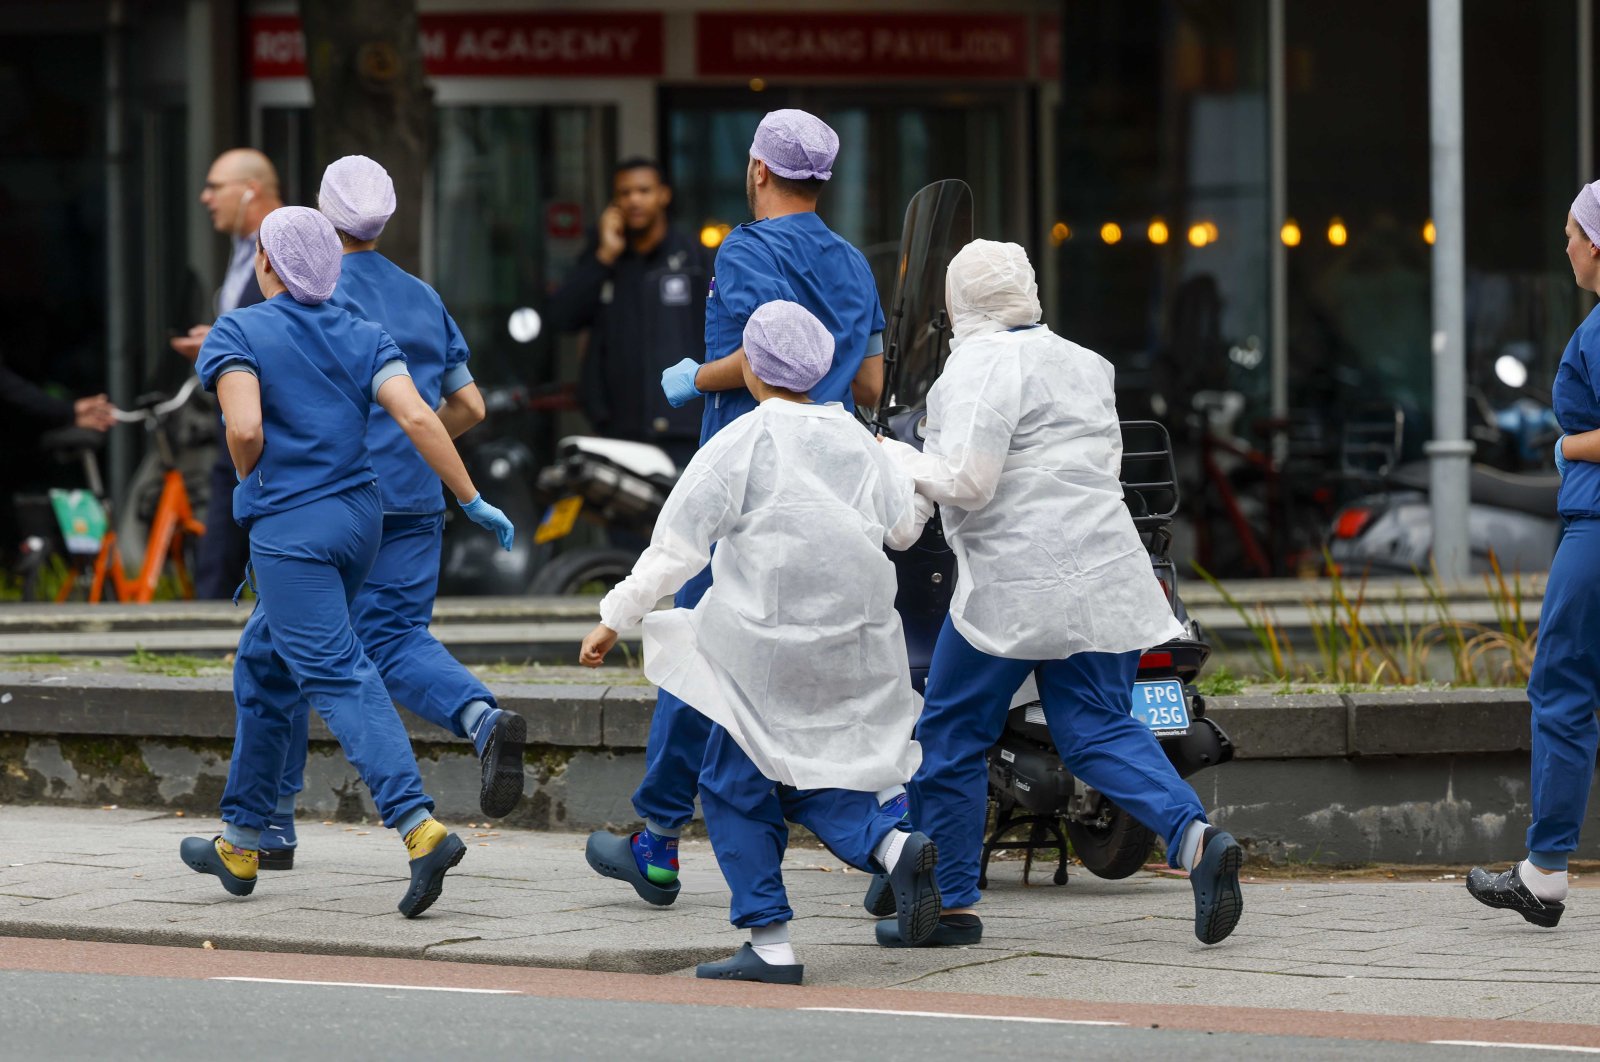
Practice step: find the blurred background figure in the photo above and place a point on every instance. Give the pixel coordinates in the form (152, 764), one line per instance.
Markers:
(241, 188)
(30, 411)
(639, 289)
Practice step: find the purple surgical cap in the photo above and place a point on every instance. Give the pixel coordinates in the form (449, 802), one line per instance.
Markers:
(1586, 211)
(796, 145)
(357, 196)
(787, 346)
(304, 252)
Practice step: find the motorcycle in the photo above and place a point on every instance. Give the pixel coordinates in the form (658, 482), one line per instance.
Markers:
(1512, 520)
(1029, 786)
(620, 484)
(502, 466)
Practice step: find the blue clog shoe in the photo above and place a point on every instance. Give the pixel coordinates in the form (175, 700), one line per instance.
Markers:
(612, 857)
(746, 965)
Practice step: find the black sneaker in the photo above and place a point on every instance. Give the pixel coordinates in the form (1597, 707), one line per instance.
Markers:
(1507, 890)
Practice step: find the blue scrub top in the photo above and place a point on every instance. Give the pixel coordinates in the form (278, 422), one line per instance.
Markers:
(319, 368)
(372, 287)
(1577, 406)
(798, 258)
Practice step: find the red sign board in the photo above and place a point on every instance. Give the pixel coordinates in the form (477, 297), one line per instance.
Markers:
(563, 220)
(500, 44)
(863, 45)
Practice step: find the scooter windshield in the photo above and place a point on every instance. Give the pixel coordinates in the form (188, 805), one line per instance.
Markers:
(938, 224)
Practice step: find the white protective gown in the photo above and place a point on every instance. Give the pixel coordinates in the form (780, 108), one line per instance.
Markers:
(796, 648)
(1022, 452)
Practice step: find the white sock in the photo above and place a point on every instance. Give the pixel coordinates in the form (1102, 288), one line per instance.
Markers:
(771, 943)
(1546, 885)
(1189, 847)
(888, 851)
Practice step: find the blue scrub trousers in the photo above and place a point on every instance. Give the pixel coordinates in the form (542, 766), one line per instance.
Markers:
(391, 614)
(299, 647)
(676, 747)
(1562, 692)
(745, 816)
(1086, 699)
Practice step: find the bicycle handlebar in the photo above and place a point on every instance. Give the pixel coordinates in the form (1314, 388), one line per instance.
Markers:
(160, 409)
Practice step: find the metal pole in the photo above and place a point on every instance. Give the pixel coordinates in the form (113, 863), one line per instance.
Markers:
(1278, 213)
(118, 290)
(201, 39)
(1585, 92)
(1449, 452)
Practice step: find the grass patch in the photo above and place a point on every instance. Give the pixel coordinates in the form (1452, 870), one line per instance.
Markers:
(35, 658)
(1220, 683)
(176, 665)
(1363, 642)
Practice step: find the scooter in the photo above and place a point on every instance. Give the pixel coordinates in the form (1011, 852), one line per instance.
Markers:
(1029, 786)
(622, 485)
(1512, 520)
(502, 465)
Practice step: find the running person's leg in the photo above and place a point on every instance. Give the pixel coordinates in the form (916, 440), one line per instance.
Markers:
(1562, 696)
(309, 562)
(1087, 699)
(674, 753)
(744, 817)
(391, 614)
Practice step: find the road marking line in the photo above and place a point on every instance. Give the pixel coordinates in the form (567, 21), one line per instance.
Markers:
(946, 1014)
(365, 984)
(1519, 1047)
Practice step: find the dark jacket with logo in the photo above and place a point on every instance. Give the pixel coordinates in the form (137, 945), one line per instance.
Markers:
(644, 313)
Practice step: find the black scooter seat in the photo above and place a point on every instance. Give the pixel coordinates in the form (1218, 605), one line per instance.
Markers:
(1522, 493)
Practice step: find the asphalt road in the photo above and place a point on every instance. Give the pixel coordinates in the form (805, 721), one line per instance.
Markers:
(95, 1001)
(99, 1016)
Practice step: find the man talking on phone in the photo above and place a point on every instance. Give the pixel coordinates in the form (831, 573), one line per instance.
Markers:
(241, 188)
(640, 289)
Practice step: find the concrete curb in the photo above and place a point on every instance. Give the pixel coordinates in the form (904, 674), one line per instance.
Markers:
(644, 959)
(1263, 727)
(1436, 776)
(116, 705)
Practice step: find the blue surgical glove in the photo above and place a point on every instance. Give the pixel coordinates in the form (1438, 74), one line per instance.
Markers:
(677, 383)
(485, 515)
(1561, 458)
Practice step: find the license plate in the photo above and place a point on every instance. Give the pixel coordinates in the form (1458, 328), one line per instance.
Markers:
(558, 520)
(1160, 706)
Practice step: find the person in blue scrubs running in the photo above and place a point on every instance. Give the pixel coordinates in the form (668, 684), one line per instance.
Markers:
(787, 253)
(296, 378)
(393, 609)
(1561, 687)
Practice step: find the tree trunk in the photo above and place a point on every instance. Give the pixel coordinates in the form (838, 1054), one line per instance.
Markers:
(370, 98)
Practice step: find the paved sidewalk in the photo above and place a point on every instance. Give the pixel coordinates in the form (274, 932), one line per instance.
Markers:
(528, 898)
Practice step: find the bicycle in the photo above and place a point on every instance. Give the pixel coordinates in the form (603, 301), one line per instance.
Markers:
(88, 532)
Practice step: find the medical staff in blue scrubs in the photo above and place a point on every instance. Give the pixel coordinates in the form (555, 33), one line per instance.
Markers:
(296, 378)
(1566, 670)
(392, 612)
(1022, 453)
(787, 253)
